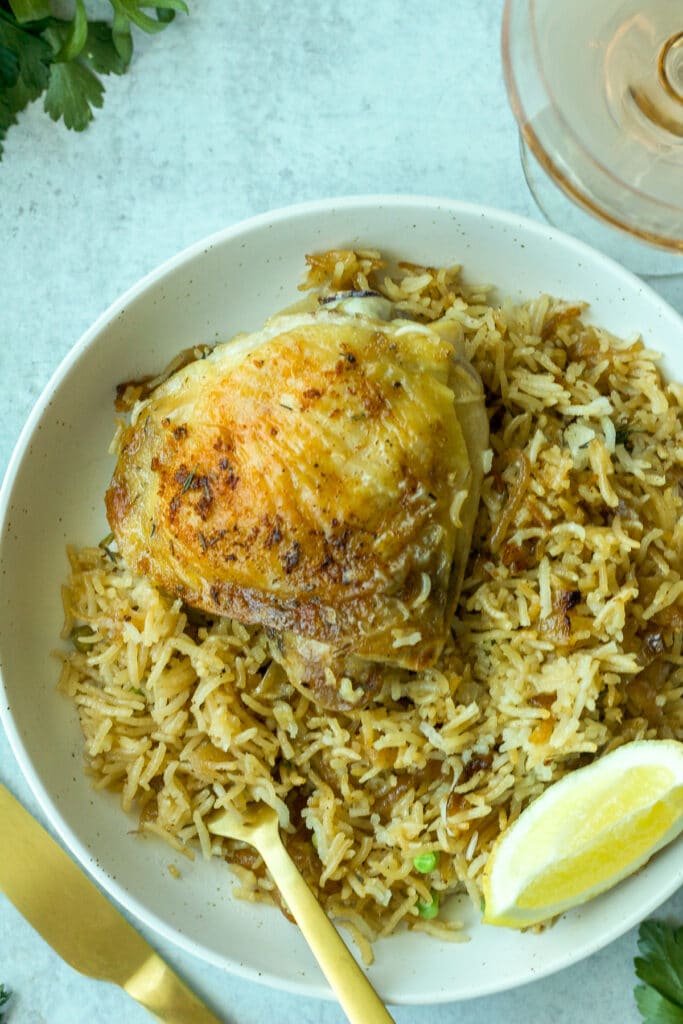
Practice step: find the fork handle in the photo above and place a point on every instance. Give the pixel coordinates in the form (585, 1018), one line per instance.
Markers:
(356, 995)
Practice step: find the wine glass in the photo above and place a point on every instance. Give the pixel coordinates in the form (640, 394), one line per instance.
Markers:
(597, 90)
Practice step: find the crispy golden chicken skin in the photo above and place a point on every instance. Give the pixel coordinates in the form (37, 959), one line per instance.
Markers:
(319, 477)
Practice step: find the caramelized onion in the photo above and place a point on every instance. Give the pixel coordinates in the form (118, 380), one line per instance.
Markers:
(514, 499)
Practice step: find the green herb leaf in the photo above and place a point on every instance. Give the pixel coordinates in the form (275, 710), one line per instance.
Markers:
(7, 118)
(661, 963)
(20, 96)
(165, 7)
(121, 36)
(79, 635)
(4, 999)
(32, 52)
(72, 93)
(100, 52)
(655, 1008)
(9, 67)
(133, 10)
(32, 55)
(30, 10)
(76, 35)
(40, 52)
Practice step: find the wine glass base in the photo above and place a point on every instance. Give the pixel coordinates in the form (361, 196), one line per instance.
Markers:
(563, 212)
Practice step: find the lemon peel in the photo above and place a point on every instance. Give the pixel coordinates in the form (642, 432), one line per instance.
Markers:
(585, 833)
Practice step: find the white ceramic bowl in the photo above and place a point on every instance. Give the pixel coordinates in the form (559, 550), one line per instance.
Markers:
(53, 495)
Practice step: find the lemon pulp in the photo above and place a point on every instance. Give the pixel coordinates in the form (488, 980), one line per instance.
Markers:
(616, 850)
(585, 833)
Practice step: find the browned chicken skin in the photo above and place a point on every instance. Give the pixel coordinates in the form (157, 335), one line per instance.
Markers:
(319, 477)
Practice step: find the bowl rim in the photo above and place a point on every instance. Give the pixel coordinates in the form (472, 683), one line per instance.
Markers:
(312, 987)
(251, 223)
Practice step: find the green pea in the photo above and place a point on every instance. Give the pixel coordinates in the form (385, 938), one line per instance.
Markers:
(428, 910)
(425, 862)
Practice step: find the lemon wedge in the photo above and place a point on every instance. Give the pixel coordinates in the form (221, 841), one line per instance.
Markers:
(585, 833)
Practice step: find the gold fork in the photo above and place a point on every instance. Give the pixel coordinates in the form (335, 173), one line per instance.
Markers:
(260, 828)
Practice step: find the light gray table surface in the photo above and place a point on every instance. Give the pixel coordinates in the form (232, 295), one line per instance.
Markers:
(245, 106)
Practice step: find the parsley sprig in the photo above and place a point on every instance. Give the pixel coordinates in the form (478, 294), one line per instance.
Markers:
(63, 58)
(4, 999)
(660, 999)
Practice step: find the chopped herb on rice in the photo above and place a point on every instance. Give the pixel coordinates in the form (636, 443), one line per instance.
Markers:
(567, 641)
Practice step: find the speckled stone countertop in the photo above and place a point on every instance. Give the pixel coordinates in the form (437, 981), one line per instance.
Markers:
(242, 107)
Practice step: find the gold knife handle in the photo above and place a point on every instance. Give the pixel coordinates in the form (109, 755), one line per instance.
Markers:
(159, 990)
(64, 906)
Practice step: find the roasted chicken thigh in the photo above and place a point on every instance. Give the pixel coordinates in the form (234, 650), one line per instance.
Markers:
(319, 477)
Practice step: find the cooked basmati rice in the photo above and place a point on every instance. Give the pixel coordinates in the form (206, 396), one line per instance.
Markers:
(567, 641)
